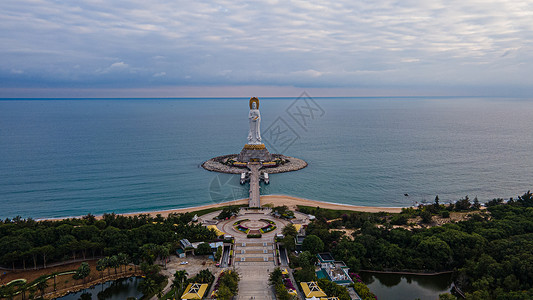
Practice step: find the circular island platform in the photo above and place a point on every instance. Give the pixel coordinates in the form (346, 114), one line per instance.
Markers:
(220, 164)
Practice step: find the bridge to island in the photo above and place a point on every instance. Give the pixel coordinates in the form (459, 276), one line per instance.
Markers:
(254, 200)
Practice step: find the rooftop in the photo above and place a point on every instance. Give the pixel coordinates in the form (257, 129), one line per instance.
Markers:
(311, 289)
(195, 291)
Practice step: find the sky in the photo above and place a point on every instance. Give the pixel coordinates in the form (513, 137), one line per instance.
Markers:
(114, 48)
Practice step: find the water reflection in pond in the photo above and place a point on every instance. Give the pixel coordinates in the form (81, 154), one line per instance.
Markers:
(112, 290)
(398, 286)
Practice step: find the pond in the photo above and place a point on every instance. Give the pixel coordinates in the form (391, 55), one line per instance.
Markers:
(409, 287)
(120, 289)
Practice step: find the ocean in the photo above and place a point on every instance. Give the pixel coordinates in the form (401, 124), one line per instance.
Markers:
(70, 157)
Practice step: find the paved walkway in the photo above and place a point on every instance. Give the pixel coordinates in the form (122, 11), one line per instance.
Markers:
(254, 259)
(254, 185)
(254, 282)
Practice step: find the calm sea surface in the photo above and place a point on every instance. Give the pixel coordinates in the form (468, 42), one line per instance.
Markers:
(72, 157)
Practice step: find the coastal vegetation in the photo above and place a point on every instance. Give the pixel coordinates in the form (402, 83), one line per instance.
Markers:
(114, 239)
(490, 252)
(26, 243)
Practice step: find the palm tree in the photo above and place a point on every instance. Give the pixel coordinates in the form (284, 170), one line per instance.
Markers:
(42, 286)
(114, 263)
(83, 271)
(148, 287)
(8, 291)
(164, 252)
(23, 288)
(180, 277)
(55, 274)
(32, 293)
(123, 260)
(100, 266)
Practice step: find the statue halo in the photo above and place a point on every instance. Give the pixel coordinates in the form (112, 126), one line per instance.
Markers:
(252, 100)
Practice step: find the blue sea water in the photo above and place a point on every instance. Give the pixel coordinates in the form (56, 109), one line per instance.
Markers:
(71, 157)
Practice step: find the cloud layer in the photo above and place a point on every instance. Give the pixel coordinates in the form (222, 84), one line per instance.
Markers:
(338, 44)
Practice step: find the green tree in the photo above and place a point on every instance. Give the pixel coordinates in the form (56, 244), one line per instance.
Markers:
(180, 278)
(463, 204)
(305, 274)
(123, 260)
(275, 277)
(447, 296)
(228, 212)
(113, 262)
(289, 243)
(82, 272)
(282, 293)
(224, 293)
(426, 216)
(334, 290)
(307, 259)
(435, 251)
(45, 251)
(526, 199)
(313, 244)
(7, 291)
(42, 286)
(100, 266)
(289, 229)
(204, 276)
(148, 287)
(203, 249)
(231, 280)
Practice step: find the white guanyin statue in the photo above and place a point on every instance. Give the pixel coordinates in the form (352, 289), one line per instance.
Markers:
(254, 135)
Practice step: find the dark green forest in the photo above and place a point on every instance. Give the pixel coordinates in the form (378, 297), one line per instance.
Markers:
(491, 253)
(25, 243)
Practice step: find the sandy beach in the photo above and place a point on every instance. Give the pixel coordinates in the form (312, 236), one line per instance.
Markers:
(278, 200)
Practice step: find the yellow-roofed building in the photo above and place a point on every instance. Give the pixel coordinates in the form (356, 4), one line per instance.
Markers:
(214, 227)
(311, 289)
(195, 291)
(298, 227)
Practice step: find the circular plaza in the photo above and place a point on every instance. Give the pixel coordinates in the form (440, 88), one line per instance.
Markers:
(253, 222)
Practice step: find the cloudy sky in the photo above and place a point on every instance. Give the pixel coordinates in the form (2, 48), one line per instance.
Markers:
(268, 48)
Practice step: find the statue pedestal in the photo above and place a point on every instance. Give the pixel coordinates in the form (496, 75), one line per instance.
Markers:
(254, 153)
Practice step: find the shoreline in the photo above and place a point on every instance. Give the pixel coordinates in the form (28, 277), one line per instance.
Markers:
(276, 200)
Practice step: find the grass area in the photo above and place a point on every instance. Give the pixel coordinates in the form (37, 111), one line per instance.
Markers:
(213, 209)
(170, 295)
(335, 213)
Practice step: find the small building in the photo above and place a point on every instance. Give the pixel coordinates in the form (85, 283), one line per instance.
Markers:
(195, 291)
(180, 253)
(185, 244)
(312, 290)
(216, 245)
(332, 270)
